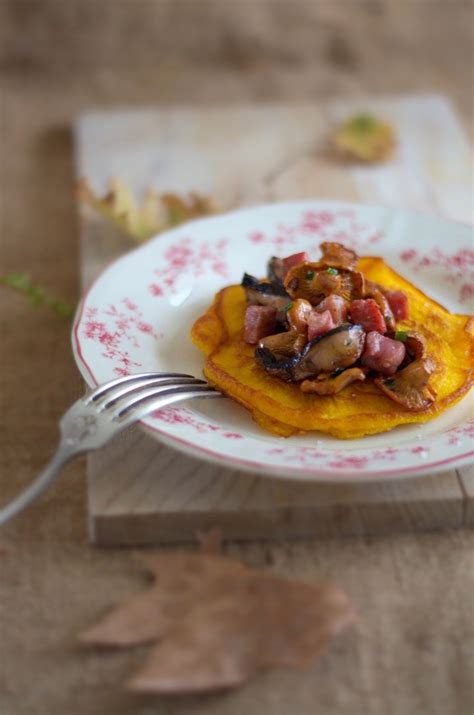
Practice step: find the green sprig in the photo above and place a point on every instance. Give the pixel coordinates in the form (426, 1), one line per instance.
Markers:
(37, 296)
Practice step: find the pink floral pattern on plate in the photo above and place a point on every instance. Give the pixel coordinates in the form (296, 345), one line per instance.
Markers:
(187, 256)
(117, 329)
(183, 416)
(342, 226)
(131, 320)
(457, 267)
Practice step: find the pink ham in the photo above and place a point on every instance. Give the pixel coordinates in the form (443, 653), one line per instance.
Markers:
(398, 302)
(382, 354)
(367, 313)
(293, 260)
(336, 305)
(260, 321)
(319, 323)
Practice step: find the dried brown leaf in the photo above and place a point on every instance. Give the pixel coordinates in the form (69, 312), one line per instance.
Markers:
(156, 213)
(218, 622)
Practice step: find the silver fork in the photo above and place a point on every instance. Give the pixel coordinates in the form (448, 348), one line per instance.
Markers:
(101, 414)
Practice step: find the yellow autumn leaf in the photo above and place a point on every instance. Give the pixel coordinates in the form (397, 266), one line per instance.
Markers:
(364, 138)
(156, 213)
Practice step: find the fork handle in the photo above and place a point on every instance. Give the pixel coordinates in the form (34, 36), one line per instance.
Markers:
(46, 477)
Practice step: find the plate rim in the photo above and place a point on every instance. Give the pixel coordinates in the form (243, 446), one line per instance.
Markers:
(298, 474)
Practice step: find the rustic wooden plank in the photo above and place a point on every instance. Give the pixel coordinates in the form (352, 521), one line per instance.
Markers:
(141, 492)
(158, 495)
(234, 154)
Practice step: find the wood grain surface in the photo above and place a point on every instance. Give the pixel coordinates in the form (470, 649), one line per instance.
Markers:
(412, 652)
(141, 492)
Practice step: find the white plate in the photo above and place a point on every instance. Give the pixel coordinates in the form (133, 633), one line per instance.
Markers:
(138, 314)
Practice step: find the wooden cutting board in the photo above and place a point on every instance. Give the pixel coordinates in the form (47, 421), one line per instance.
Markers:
(141, 492)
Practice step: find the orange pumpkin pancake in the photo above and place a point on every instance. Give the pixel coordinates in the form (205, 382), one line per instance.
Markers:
(359, 409)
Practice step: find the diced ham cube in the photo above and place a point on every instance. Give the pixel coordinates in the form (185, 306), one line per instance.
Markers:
(382, 354)
(319, 323)
(367, 313)
(336, 305)
(293, 260)
(260, 321)
(398, 302)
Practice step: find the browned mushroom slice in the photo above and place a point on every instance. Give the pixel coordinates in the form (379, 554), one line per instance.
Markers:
(409, 387)
(298, 314)
(277, 364)
(314, 283)
(255, 287)
(337, 255)
(338, 348)
(332, 384)
(415, 344)
(284, 345)
(384, 306)
(275, 270)
(310, 282)
(265, 293)
(352, 285)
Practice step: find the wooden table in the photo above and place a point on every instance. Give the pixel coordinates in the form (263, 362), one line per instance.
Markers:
(412, 652)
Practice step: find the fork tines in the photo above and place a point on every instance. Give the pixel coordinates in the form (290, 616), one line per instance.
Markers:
(130, 383)
(142, 393)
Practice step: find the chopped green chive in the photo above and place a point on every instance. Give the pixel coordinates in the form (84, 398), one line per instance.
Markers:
(288, 306)
(389, 382)
(401, 335)
(332, 271)
(310, 275)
